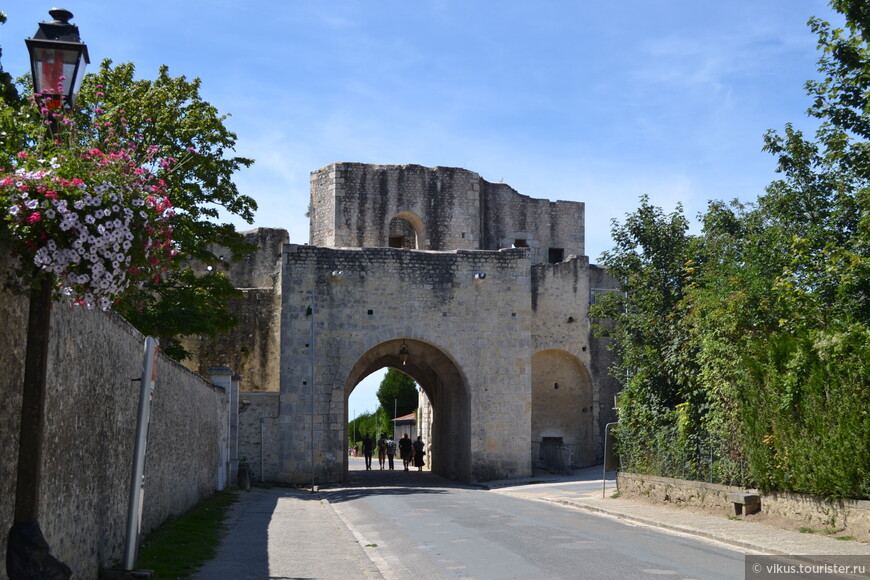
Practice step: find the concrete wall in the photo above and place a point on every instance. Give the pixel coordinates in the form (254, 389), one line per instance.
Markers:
(469, 343)
(91, 412)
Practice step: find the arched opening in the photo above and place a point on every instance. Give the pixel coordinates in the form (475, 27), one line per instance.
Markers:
(449, 438)
(406, 231)
(562, 406)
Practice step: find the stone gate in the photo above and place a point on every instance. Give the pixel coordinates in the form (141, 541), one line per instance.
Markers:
(484, 290)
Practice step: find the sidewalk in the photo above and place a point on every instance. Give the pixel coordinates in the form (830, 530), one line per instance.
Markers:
(291, 533)
(744, 534)
(287, 533)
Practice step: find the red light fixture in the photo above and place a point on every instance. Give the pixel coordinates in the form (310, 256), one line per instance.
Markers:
(57, 60)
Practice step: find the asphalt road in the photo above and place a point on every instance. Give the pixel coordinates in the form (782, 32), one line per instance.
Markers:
(415, 525)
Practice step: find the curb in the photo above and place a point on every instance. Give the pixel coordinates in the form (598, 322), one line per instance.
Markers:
(672, 527)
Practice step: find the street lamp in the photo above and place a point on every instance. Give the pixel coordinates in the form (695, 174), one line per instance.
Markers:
(403, 353)
(57, 60)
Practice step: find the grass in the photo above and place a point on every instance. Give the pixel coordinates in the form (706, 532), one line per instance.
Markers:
(180, 546)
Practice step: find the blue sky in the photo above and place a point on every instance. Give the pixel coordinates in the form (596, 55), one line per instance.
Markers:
(585, 101)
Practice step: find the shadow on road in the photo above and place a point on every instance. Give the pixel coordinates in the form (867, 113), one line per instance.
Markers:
(361, 482)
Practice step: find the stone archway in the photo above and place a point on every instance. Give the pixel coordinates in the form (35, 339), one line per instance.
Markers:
(406, 230)
(562, 403)
(436, 373)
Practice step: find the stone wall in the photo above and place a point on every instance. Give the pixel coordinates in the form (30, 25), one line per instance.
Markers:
(346, 313)
(843, 516)
(601, 357)
(251, 349)
(258, 436)
(541, 224)
(91, 410)
(563, 395)
(353, 205)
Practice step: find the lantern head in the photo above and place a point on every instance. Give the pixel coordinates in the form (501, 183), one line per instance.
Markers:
(57, 60)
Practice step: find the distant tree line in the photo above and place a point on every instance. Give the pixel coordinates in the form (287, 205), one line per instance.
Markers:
(397, 396)
(745, 350)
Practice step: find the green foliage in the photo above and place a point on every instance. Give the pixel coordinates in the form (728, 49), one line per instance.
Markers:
(179, 547)
(8, 92)
(374, 424)
(397, 393)
(745, 349)
(171, 114)
(808, 413)
(173, 122)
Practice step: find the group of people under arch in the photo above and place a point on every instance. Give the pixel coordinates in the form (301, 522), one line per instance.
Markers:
(410, 452)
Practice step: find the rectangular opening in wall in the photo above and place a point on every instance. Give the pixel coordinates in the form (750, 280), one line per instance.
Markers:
(520, 243)
(397, 241)
(371, 312)
(556, 255)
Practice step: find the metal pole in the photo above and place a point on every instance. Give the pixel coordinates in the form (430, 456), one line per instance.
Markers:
(607, 457)
(137, 480)
(262, 473)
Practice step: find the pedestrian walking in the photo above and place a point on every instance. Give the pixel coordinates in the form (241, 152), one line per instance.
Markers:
(382, 450)
(419, 453)
(405, 450)
(368, 446)
(391, 450)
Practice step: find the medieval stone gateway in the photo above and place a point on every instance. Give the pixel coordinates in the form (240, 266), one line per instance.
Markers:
(486, 291)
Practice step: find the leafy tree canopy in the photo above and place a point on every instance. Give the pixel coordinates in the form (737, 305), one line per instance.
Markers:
(398, 392)
(744, 350)
(174, 123)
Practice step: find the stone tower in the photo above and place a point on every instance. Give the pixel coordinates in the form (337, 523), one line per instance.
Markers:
(486, 289)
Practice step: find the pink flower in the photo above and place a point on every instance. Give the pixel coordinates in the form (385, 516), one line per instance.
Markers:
(34, 217)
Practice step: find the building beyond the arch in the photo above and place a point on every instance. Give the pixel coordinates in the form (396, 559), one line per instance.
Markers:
(477, 292)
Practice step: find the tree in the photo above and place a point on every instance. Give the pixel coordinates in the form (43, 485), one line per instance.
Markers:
(649, 260)
(84, 224)
(87, 202)
(397, 393)
(807, 424)
(752, 339)
(173, 122)
(8, 92)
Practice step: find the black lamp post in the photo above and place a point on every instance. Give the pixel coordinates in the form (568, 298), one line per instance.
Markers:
(57, 60)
